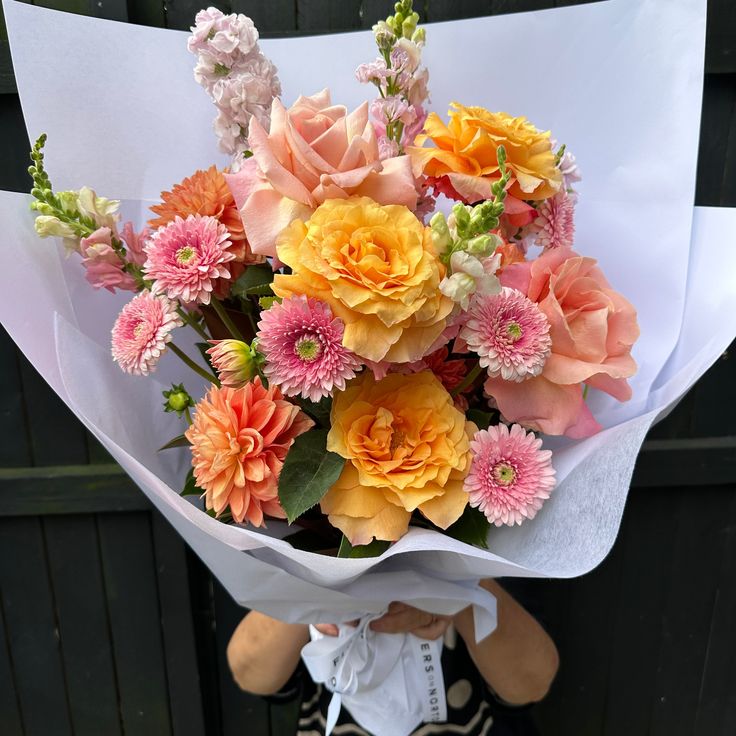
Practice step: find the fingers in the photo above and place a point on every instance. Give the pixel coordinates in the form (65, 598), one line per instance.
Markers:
(402, 618)
(327, 629)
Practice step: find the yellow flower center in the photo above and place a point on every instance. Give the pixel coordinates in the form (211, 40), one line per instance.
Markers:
(308, 348)
(185, 255)
(514, 331)
(503, 473)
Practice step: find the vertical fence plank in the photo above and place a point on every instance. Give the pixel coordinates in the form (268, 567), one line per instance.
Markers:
(57, 437)
(688, 609)
(130, 584)
(76, 575)
(716, 131)
(10, 719)
(716, 711)
(15, 449)
(274, 17)
(30, 621)
(647, 542)
(327, 15)
(177, 630)
(180, 13)
(147, 13)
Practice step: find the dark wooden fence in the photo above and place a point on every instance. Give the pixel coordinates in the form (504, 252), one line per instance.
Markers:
(109, 625)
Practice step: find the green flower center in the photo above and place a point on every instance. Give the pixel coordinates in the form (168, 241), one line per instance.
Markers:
(308, 348)
(138, 329)
(514, 331)
(185, 254)
(503, 473)
(221, 70)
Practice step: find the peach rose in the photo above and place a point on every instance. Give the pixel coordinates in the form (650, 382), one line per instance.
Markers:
(407, 447)
(466, 153)
(314, 151)
(377, 269)
(593, 329)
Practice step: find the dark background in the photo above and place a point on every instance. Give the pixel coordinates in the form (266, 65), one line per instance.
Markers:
(109, 625)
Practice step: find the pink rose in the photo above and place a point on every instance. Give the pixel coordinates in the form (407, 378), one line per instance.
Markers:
(314, 151)
(593, 329)
(103, 265)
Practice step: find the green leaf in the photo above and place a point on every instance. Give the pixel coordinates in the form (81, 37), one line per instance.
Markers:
(481, 418)
(309, 471)
(320, 411)
(373, 549)
(255, 281)
(472, 528)
(180, 441)
(190, 485)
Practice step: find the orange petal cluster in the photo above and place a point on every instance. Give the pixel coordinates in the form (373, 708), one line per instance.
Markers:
(407, 447)
(239, 440)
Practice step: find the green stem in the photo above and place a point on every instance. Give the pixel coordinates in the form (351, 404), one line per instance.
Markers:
(225, 317)
(192, 323)
(189, 414)
(468, 380)
(196, 368)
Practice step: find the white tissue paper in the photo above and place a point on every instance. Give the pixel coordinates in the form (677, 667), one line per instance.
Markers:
(620, 82)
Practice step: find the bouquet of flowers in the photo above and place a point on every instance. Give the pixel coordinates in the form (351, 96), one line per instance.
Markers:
(386, 330)
(370, 361)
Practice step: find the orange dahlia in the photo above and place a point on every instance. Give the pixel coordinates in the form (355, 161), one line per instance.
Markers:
(205, 193)
(239, 440)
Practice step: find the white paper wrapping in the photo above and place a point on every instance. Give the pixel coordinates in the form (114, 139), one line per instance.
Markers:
(620, 82)
(390, 683)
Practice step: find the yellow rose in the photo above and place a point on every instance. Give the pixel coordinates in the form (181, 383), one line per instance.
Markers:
(466, 154)
(407, 447)
(377, 269)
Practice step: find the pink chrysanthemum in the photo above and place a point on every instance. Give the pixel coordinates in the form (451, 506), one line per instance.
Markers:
(509, 333)
(186, 258)
(302, 342)
(510, 475)
(141, 331)
(555, 222)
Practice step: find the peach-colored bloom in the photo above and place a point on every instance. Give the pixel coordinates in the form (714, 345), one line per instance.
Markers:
(593, 329)
(407, 447)
(314, 151)
(239, 439)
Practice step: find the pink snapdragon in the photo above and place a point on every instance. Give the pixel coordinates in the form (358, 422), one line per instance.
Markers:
(104, 267)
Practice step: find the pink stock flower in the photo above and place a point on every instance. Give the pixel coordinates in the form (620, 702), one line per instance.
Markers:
(510, 475)
(222, 35)
(314, 151)
(509, 333)
(104, 267)
(593, 329)
(555, 222)
(302, 342)
(187, 258)
(141, 331)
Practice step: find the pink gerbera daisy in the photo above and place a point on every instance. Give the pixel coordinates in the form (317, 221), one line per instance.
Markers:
(509, 333)
(555, 222)
(141, 331)
(186, 258)
(302, 342)
(510, 475)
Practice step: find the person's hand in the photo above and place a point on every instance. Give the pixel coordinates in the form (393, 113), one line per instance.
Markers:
(401, 619)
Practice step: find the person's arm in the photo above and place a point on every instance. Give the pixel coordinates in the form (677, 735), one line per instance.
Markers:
(263, 653)
(518, 660)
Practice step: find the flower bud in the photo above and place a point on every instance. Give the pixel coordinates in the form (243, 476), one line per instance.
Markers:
(235, 361)
(481, 245)
(441, 237)
(50, 226)
(68, 201)
(177, 399)
(419, 36)
(462, 217)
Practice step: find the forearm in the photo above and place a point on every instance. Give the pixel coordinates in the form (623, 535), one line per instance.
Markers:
(518, 660)
(264, 652)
